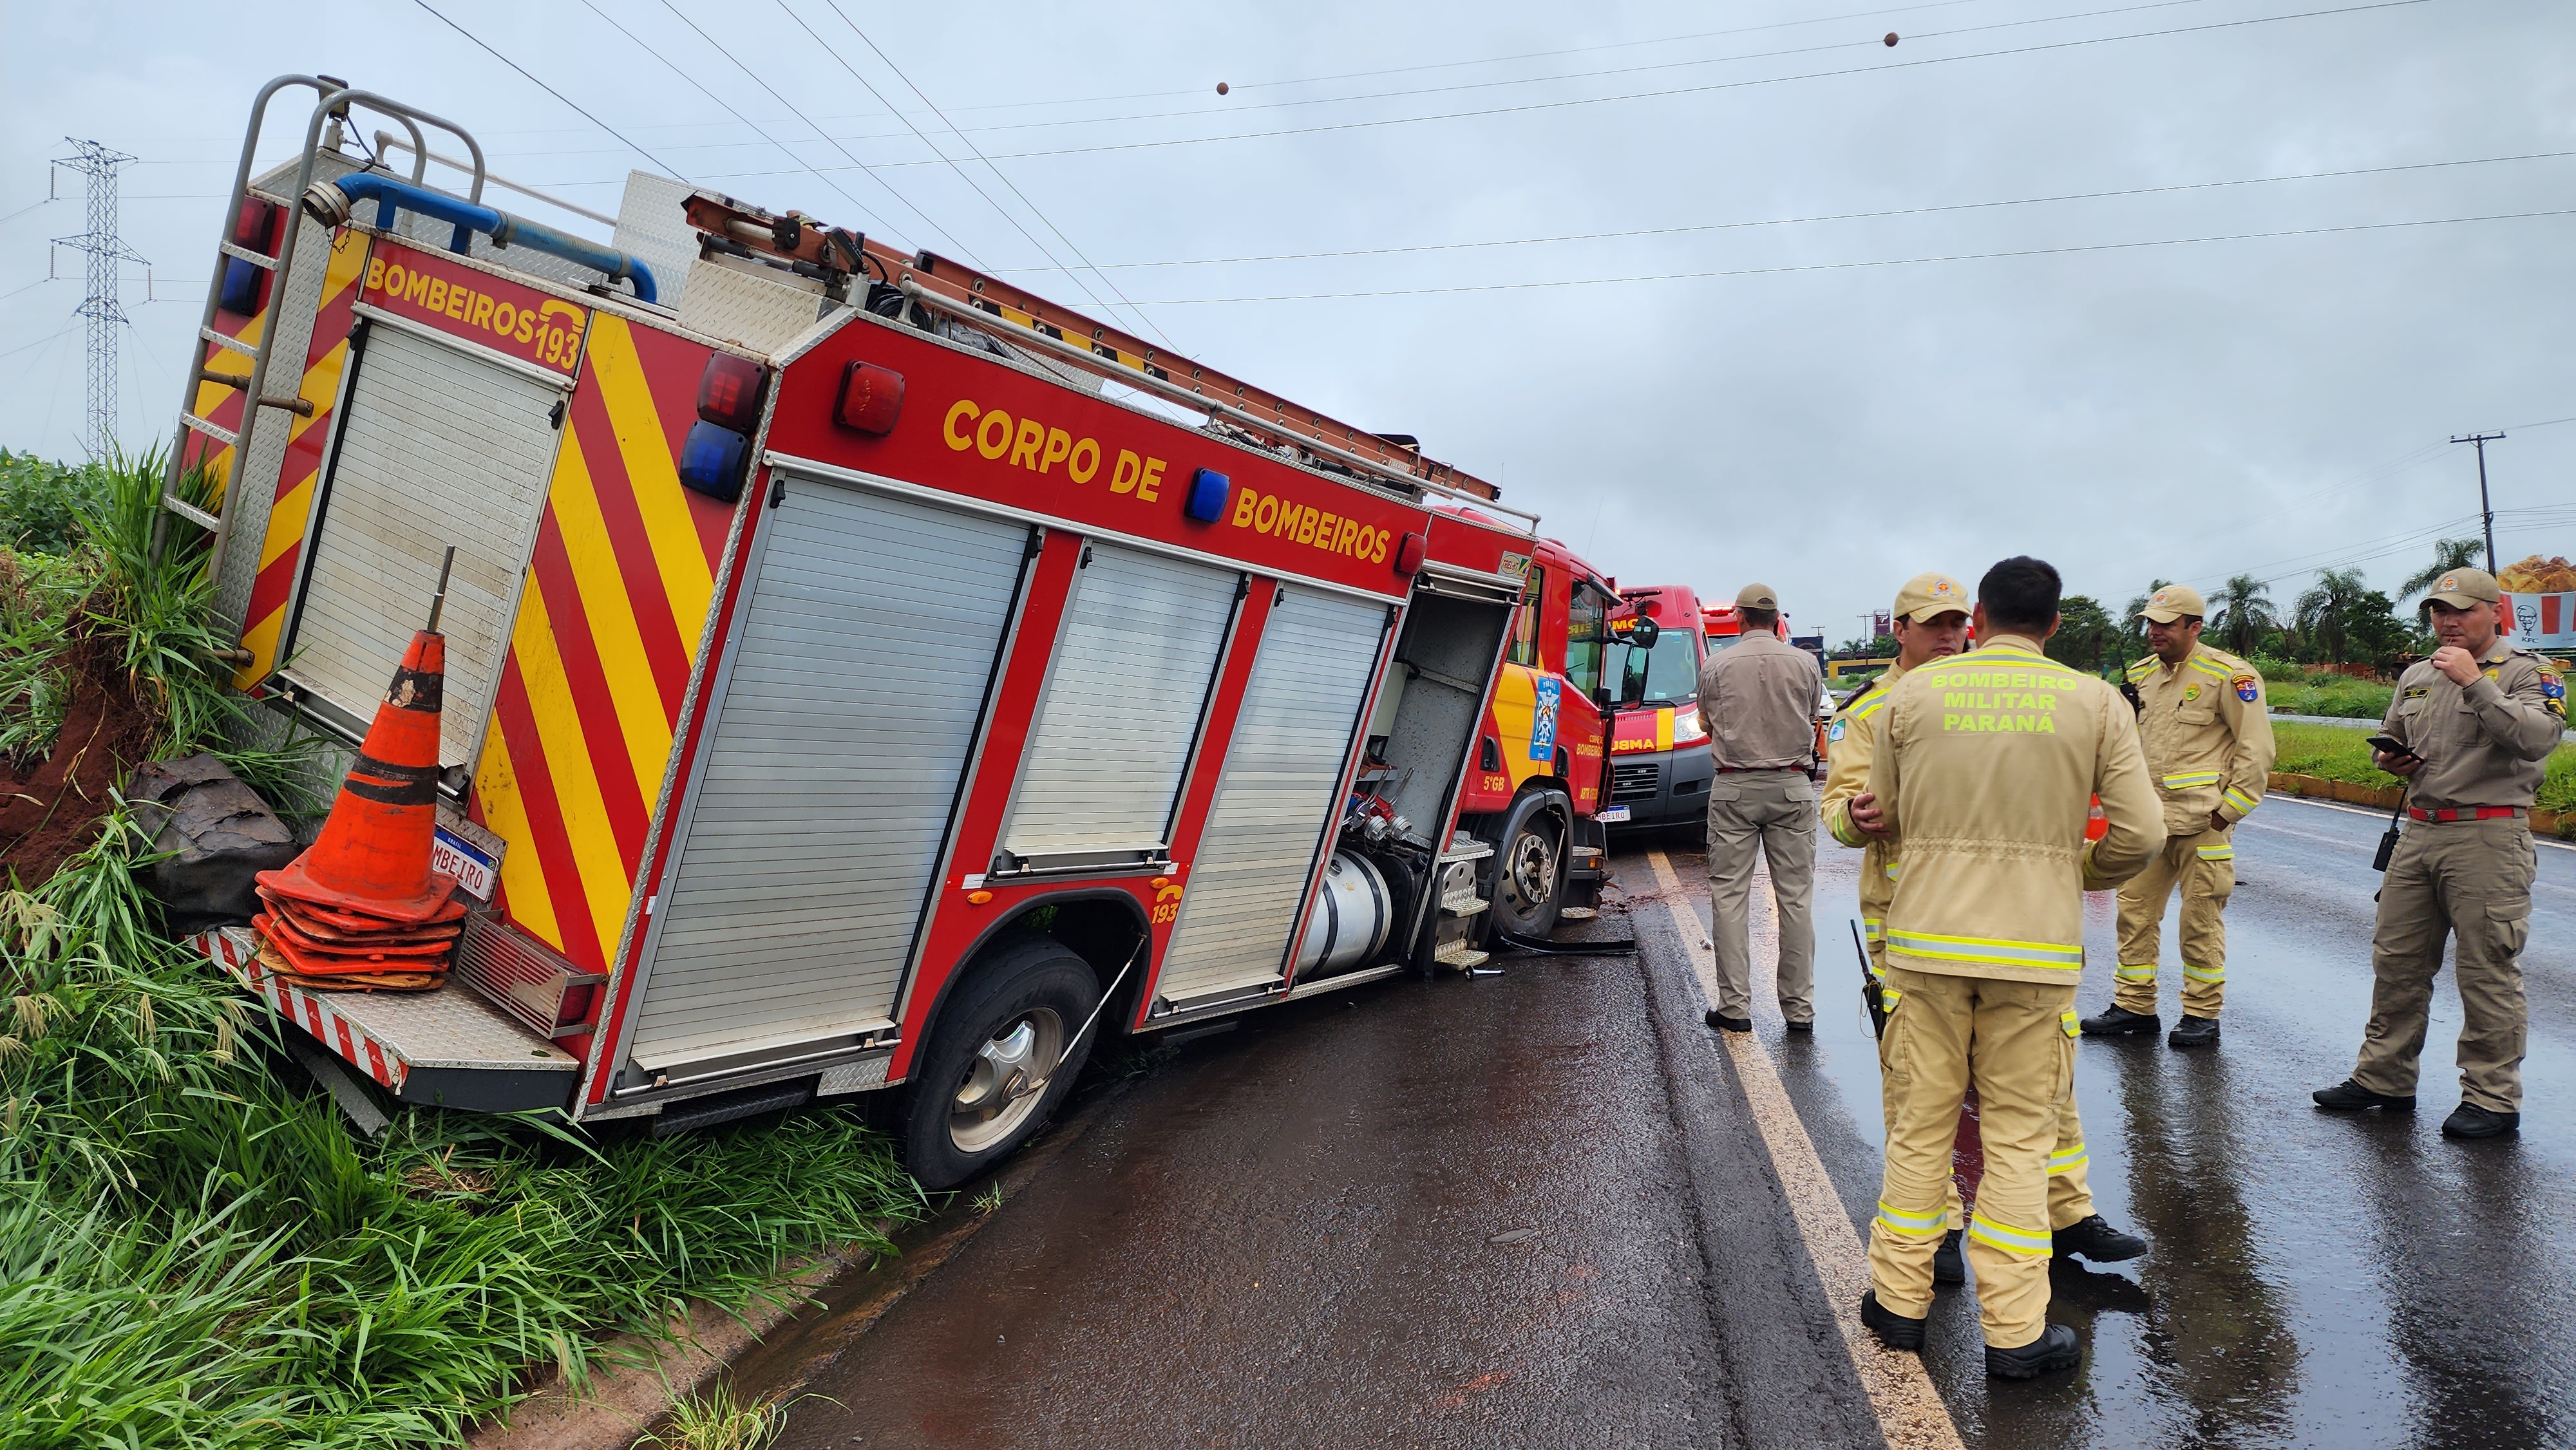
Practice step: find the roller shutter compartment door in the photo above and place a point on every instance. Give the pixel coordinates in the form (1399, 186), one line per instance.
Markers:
(1280, 793)
(439, 447)
(1125, 695)
(849, 708)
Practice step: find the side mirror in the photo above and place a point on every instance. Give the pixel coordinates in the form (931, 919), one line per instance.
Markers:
(1644, 632)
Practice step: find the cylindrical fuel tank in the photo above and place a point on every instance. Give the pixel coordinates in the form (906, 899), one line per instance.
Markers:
(1351, 918)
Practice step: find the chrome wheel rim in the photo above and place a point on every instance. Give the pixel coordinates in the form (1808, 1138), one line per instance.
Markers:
(1529, 871)
(1004, 1079)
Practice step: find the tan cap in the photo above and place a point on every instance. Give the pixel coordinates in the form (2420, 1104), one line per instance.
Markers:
(2174, 601)
(1756, 596)
(2462, 587)
(1928, 596)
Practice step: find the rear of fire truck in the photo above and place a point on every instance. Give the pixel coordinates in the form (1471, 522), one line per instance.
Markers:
(861, 674)
(1659, 752)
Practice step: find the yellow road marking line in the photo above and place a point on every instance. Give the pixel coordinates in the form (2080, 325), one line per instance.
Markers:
(1909, 1409)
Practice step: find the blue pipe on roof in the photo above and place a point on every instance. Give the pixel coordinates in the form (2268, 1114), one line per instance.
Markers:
(332, 202)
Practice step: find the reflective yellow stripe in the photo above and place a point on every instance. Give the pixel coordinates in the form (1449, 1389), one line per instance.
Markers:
(2244, 803)
(2204, 974)
(1872, 928)
(1893, 867)
(2004, 1236)
(2212, 668)
(2066, 1160)
(2189, 778)
(2217, 853)
(2068, 956)
(1888, 997)
(1844, 830)
(1913, 1223)
(2068, 1020)
(2135, 971)
(1868, 707)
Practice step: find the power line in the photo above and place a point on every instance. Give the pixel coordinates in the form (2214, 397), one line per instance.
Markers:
(1850, 266)
(1832, 216)
(549, 90)
(818, 131)
(1712, 87)
(39, 342)
(30, 287)
(1034, 210)
(22, 211)
(874, 222)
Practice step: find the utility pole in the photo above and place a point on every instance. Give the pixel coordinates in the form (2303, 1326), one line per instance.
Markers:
(2484, 507)
(105, 310)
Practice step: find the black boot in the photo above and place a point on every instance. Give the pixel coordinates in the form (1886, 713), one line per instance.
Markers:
(2120, 1022)
(2468, 1120)
(1723, 1022)
(1893, 1329)
(2193, 1032)
(1949, 1265)
(2056, 1348)
(2348, 1096)
(2092, 1238)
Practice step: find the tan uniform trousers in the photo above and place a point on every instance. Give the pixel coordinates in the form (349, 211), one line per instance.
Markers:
(1773, 811)
(2472, 880)
(2070, 1193)
(2022, 1064)
(2205, 867)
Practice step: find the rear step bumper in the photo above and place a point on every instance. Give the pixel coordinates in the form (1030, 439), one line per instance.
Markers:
(447, 1048)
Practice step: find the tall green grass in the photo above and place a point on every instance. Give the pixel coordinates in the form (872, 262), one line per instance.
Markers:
(195, 1250)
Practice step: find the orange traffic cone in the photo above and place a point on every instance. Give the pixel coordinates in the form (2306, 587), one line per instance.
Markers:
(372, 857)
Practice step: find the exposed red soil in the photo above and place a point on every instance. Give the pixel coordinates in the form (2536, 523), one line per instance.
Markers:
(48, 814)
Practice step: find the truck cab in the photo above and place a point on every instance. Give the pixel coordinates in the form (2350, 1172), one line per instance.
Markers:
(1659, 754)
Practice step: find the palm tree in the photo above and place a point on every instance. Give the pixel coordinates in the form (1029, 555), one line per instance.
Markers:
(2244, 615)
(2448, 555)
(2327, 610)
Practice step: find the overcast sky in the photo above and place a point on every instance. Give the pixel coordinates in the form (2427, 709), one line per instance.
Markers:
(1761, 385)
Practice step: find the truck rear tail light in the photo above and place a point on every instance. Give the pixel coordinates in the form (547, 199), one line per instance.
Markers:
(729, 393)
(871, 398)
(1409, 554)
(712, 460)
(1209, 491)
(254, 229)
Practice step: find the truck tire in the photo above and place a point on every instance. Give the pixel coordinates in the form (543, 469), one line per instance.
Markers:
(999, 1061)
(1529, 865)
(1695, 835)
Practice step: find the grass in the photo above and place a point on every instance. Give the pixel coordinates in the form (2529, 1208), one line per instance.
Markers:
(2333, 752)
(195, 1250)
(2326, 693)
(718, 1421)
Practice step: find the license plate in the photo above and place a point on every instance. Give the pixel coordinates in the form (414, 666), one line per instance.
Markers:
(1611, 816)
(467, 852)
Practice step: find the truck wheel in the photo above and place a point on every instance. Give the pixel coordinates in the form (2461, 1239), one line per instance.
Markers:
(1695, 835)
(1000, 1060)
(1529, 871)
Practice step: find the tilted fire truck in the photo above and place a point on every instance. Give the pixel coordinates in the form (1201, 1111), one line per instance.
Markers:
(861, 673)
(1659, 754)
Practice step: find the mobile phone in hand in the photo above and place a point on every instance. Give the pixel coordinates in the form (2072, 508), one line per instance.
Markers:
(2390, 745)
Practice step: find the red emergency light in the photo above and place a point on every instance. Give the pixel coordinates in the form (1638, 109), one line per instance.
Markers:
(1409, 554)
(871, 398)
(729, 393)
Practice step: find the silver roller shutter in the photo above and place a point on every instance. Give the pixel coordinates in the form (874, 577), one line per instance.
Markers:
(1124, 697)
(439, 447)
(1281, 791)
(849, 706)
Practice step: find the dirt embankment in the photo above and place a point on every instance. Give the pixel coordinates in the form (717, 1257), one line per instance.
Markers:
(51, 808)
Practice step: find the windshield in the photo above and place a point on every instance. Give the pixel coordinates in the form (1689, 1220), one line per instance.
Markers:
(1669, 671)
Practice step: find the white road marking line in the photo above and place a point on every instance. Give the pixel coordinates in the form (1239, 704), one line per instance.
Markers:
(1909, 1409)
(2383, 815)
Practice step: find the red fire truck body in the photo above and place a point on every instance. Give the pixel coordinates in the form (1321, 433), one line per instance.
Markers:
(861, 673)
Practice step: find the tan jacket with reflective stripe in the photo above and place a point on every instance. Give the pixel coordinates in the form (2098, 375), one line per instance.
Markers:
(1987, 764)
(1849, 747)
(2486, 743)
(2207, 734)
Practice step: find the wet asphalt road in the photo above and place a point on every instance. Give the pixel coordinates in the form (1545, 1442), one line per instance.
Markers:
(1530, 1210)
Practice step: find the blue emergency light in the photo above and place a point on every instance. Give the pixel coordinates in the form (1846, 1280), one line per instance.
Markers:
(1209, 490)
(711, 461)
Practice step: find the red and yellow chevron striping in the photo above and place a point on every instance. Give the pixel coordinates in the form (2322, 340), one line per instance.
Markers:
(609, 624)
(324, 358)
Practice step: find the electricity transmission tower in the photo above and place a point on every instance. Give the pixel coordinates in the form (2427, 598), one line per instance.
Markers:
(105, 310)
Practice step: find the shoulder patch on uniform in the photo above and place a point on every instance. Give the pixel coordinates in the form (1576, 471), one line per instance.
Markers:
(2249, 687)
(1835, 734)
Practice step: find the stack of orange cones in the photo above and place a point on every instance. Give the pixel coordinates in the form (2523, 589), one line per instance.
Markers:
(361, 910)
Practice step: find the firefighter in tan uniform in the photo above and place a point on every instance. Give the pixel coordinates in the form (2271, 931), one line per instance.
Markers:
(1984, 768)
(1931, 623)
(1758, 700)
(2478, 721)
(2208, 742)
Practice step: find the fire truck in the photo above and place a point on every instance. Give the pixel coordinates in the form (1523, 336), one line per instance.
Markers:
(862, 673)
(1537, 792)
(1660, 765)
